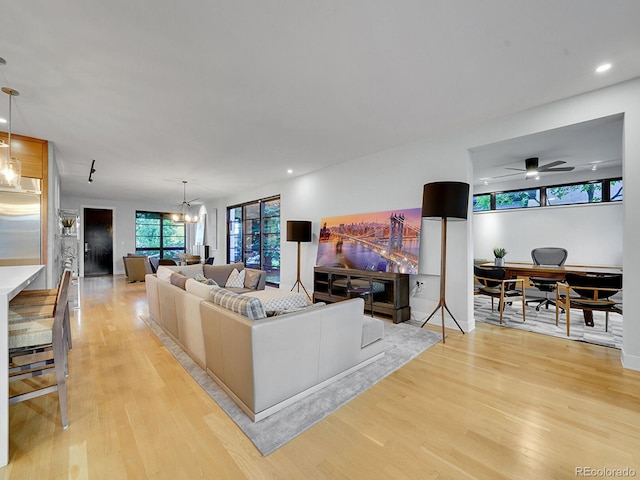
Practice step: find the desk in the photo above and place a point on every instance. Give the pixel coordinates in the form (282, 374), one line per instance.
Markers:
(12, 281)
(516, 269)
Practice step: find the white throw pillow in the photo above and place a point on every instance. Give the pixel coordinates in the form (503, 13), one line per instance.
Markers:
(236, 279)
(164, 273)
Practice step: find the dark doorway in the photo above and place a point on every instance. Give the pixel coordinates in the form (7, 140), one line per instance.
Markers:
(98, 242)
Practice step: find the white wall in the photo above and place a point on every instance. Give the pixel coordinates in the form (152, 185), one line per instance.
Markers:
(592, 234)
(54, 266)
(394, 179)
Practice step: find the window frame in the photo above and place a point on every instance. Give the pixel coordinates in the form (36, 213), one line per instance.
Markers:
(161, 250)
(252, 244)
(606, 195)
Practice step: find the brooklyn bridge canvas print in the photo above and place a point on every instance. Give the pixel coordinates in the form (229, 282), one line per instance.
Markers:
(381, 241)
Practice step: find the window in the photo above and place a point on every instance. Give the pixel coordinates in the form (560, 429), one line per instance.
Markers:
(573, 194)
(482, 203)
(253, 236)
(615, 190)
(158, 235)
(597, 191)
(518, 199)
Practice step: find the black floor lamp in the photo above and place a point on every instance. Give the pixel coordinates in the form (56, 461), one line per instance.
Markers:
(443, 200)
(299, 231)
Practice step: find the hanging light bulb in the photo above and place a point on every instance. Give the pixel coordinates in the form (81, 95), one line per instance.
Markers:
(185, 208)
(10, 168)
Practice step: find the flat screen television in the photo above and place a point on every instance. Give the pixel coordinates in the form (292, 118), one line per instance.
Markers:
(380, 241)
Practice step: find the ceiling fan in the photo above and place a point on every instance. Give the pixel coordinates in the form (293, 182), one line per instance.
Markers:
(532, 168)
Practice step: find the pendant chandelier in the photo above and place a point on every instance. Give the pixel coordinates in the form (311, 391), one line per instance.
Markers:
(10, 168)
(185, 216)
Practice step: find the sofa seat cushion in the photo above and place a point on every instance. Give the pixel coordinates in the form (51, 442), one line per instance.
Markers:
(247, 306)
(239, 290)
(278, 301)
(372, 331)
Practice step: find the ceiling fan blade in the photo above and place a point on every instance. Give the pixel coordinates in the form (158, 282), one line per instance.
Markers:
(506, 175)
(550, 165)
(561, 169)
(518, 169)
(193, 199)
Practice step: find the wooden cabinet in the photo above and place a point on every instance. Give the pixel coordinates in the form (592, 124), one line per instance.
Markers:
(390, 290)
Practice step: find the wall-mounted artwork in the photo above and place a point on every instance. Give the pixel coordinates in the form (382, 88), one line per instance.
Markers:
(382, 241)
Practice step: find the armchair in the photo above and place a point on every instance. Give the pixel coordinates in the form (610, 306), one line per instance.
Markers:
(135, 268)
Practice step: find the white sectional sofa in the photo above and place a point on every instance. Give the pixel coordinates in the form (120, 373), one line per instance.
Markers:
(264, 363)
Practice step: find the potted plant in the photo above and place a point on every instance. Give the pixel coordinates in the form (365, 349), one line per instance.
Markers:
(499, 253)
(68, 223)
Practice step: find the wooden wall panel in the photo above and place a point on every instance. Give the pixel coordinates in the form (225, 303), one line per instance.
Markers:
(33, 153)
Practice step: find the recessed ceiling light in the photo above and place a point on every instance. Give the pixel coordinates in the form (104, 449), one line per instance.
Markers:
(3, 120)
(603, 68)
(289, 171)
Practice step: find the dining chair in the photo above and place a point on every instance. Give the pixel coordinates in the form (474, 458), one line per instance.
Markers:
(588, 292)
(492, 282)
(552, 256)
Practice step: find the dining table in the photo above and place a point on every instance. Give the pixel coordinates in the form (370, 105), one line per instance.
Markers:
(13, 279)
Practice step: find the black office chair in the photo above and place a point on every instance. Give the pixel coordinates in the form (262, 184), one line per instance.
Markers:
(553, 256)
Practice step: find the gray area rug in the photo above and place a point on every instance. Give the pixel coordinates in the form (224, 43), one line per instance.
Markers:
(544, 322)
(403, 342)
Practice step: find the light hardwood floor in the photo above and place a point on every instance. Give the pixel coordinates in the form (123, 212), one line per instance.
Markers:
(496, 403)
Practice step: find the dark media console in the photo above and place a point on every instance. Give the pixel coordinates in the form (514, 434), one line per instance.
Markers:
(390, 290)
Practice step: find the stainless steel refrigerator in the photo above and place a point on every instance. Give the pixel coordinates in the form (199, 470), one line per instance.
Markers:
(20, 224)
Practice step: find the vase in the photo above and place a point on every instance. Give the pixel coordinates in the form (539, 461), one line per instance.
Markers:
(499, 262)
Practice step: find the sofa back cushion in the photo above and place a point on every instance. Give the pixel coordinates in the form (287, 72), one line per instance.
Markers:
(199, 289)
(164, 271)
(251, 278)
(249, 307)
(220, 273)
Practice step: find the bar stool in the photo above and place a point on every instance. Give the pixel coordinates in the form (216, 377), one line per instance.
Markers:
(26, 341)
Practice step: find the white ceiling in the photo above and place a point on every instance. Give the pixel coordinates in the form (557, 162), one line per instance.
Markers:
(583, 146)
(230, 94)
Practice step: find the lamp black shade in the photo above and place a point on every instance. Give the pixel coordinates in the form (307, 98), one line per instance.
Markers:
(298, 231)
(445, 200)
